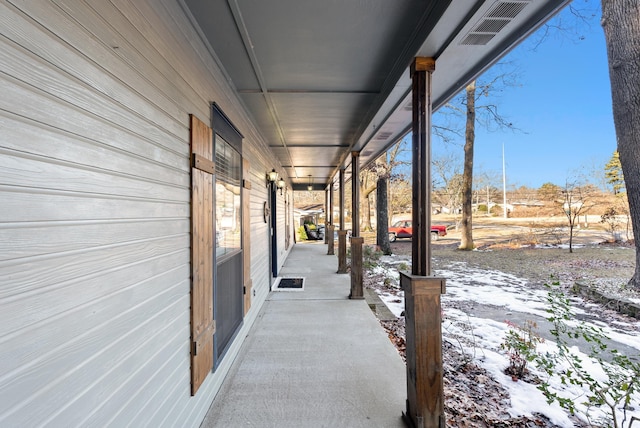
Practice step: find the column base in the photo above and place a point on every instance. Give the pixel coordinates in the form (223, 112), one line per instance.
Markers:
(357, 269)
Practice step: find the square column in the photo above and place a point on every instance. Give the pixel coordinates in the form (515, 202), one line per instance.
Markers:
(425, 390)
(329, 236)
(356, 268)
(357, 272)
(342, 251)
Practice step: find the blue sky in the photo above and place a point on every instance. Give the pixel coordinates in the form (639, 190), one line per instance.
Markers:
(563, 108)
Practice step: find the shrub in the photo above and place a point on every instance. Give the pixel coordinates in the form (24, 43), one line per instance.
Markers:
(613, 392)
(403, 266)
(302, 233)
(611, 222)
(370, 257)
(520, 344)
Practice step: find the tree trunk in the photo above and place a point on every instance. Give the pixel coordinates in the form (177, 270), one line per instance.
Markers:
(621, 23)
(367, 214)
(466, 242)
(382, 216)
(571, 237)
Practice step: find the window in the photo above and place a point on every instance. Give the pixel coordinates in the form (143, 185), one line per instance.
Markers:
(228, 203)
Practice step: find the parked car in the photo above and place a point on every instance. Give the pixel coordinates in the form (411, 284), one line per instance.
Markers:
(403, 229)
(314, 233)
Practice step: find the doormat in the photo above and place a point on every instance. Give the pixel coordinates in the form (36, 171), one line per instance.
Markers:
(289, 284)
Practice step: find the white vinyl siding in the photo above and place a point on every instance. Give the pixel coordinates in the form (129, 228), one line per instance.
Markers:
(94, 211)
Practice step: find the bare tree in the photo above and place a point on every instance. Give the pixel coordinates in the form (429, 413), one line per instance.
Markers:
(485, 190)
(399, 195)
(481, 108)
(576, 200)
(447, 181)
(368, 180)
(621, 23)
(378, 174)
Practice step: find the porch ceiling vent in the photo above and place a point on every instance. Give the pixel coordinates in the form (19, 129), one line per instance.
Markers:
(498, 16)
(289, 284)
(382, 136)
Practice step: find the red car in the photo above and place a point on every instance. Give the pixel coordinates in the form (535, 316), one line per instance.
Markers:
(403, 229)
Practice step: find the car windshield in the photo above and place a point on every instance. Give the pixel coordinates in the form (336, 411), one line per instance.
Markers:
(402, 223)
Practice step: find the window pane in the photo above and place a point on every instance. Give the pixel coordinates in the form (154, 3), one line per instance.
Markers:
(228, 206)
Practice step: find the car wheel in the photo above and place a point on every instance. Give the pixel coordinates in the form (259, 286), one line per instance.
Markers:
(435, 236)
(392, 237)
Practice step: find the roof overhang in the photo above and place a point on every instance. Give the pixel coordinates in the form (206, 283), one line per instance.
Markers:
(324, 79)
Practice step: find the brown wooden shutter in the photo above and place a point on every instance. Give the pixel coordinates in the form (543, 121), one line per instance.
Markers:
(202, 230)
(246, 236)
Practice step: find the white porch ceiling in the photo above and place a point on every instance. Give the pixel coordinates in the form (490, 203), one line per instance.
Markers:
(324, 78)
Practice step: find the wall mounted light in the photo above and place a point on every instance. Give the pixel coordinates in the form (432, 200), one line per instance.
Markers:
(280, 185)
(272, 177)
(310, 185)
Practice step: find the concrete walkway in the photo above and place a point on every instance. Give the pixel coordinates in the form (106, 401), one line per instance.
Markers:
(313, 358)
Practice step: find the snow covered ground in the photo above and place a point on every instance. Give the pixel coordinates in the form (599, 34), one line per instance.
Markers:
(475, 307)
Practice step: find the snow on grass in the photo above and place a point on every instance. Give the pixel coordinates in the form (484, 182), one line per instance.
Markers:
(480, 338)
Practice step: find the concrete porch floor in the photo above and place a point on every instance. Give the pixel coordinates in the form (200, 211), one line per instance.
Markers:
(313, 358)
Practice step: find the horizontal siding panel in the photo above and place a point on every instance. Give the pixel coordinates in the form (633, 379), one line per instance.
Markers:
(24, 240)
(43, 108)
(60, 206)
(18, 170)
(182, 48)
(172, 384)
(42, 330)
(68, 89)
(134, 360)
(108, 264)
(108, 24)
(75, 369)
(83, 57)
(34, 138)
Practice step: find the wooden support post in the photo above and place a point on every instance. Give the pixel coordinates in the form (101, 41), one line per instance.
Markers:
(425, 401)
(342, 251)
(327, 219)
(421, 71)
(332, 201)
(425, 391)
(356, 268)
(356, 241)
(330, 245)
(355, 195)
(341, 197)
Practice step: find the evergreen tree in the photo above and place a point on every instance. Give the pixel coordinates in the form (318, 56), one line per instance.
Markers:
(613, 173)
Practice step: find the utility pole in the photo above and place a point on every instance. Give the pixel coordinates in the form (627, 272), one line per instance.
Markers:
(488, 207)
(504, 185)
